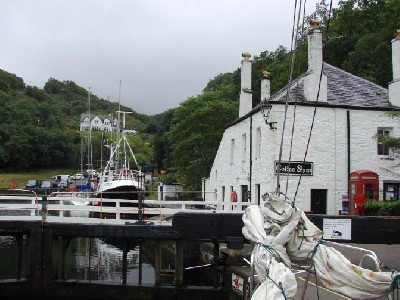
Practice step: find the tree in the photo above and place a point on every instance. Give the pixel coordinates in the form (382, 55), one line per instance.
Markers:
(196, 131)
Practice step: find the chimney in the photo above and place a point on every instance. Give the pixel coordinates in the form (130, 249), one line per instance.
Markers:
(312, 80)
(245, 104)
(265, 86)
(394, 86)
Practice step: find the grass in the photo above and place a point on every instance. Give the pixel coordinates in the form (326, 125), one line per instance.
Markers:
(6, 179)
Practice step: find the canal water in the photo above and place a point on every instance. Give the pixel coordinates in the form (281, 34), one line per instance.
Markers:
(85, 259)
(95, 259)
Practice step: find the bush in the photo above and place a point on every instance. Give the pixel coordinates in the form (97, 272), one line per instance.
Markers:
(381, 208)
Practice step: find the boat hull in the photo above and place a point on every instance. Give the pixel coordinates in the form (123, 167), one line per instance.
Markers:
(119, 189)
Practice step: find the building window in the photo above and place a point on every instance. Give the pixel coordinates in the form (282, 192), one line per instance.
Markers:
(383, 150)
(258, 143)
(244, 148)
(391, 190)
(232, 153)
(223, 194)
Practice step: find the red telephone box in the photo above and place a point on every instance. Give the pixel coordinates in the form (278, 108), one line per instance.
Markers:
(364, 185)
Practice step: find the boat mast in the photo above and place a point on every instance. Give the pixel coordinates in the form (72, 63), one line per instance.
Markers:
(81, 154)
(90, 137)
(119, 117)
(123, 133)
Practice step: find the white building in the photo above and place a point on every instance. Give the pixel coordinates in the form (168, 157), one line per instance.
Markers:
(98, 122)
(345, 113)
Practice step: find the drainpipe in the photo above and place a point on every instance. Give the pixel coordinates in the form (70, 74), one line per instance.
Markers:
(251, 156)
(351, 201)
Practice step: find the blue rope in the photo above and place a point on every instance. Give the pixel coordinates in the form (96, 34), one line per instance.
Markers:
(311, 256)
(303, 237)
(267, 247)
(395, 281)
(314, 251)
(278, 285)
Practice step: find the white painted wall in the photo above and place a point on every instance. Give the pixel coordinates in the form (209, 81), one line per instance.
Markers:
(327, 150)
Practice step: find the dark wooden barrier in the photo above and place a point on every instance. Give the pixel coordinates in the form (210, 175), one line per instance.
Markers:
(41, 280)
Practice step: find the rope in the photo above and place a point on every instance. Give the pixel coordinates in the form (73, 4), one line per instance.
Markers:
(293, 44)
(278, 285)
(268, 248)
(311, 256)
(314, 251)
(315, 108)
(303, 237)
(395, 282)
(297, 93)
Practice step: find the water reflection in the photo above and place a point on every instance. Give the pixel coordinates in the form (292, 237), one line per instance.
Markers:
(94, 259)
(85, 259)
(9, 256)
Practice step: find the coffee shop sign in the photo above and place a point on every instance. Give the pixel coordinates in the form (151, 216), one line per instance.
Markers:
(302, 168)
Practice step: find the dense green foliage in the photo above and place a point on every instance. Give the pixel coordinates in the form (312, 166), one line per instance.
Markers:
(196, 132)
(381, 208)
(39, 127)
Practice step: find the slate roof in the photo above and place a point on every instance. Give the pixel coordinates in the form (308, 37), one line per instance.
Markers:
(344, 89)
(102, 117)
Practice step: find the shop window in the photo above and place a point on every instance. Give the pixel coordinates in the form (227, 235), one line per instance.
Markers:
(391, 191)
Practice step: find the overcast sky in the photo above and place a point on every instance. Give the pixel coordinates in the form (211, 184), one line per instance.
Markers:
(162, 51)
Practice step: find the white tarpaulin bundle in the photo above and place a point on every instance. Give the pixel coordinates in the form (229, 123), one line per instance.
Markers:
(282, 235)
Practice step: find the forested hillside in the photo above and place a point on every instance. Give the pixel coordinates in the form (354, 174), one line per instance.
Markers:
(40, 127)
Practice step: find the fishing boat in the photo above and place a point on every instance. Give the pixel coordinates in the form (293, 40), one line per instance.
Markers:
(118, 180)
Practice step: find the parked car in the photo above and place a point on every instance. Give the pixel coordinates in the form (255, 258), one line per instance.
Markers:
(63, 184)
(32, 184)
(55, 180)
(77, 176)
(46, 184)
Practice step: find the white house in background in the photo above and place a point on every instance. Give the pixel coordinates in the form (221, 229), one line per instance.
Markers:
(98, 122)
(345, 113)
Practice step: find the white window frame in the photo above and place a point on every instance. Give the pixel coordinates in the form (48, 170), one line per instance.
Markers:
(381, 150)
(244, 147)
(258, 143)
(232, 152)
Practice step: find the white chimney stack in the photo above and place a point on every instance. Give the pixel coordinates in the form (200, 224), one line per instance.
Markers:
(265, 86)
(315, 59)
(394, 86)
(245, 105)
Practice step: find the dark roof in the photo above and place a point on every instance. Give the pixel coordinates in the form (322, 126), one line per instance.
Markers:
(102, 117)
(344, 89)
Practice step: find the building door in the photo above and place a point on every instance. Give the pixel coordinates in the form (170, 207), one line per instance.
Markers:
(318, 201)
(244, 197)
(244, 193)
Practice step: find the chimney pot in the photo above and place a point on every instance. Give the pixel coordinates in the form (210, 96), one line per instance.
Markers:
(246, 55)
(314, 24)
(266, 74)
(397, 34)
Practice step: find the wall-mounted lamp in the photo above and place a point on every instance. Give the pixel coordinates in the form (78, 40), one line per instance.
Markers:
(265, 109)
